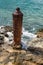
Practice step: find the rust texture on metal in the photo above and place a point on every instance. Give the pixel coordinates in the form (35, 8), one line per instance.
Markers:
(17, 26)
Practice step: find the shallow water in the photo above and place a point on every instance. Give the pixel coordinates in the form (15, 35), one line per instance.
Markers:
(32, 10)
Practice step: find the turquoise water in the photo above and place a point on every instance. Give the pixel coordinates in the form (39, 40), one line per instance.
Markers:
(32, 10)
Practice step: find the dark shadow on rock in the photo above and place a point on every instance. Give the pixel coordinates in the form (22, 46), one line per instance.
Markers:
(34, 50)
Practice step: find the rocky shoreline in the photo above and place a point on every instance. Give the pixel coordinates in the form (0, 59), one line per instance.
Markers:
(10, 56)
(32, 56)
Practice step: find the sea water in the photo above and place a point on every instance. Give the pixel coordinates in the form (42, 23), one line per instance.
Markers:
(32, 11)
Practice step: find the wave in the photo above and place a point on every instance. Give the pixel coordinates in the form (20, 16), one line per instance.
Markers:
(28, 34)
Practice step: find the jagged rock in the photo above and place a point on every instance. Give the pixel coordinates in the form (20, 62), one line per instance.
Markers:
(8, 28)
(28, 63)
(37, 42)
(9, 63)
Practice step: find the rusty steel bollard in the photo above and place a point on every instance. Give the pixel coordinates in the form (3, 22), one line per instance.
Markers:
(17, 26)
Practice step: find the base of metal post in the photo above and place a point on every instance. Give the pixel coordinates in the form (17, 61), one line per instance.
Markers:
(17, 46)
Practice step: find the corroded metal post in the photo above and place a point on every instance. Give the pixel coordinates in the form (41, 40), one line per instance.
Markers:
(17, 26)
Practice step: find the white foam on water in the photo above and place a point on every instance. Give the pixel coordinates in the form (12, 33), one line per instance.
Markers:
(2, 30)
(28, 34)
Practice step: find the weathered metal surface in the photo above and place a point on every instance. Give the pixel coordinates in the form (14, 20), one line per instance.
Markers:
(17, 26)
